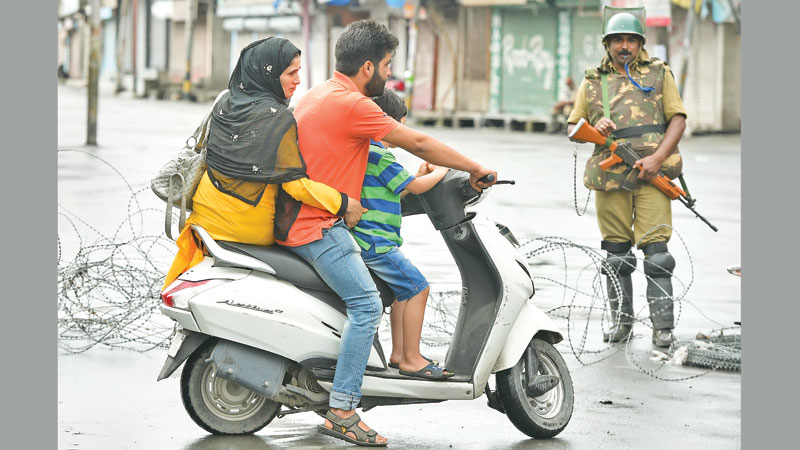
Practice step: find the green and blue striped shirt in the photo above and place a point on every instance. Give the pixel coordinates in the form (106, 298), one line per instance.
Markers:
(384, 180)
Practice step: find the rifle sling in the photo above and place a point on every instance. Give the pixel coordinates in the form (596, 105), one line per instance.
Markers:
(604, 83)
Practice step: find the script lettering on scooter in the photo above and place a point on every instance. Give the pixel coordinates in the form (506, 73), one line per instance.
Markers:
(249, 306)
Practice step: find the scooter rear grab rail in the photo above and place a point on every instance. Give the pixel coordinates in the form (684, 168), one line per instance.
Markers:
(228, 258)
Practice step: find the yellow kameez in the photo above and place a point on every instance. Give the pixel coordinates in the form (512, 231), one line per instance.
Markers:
(227, 218)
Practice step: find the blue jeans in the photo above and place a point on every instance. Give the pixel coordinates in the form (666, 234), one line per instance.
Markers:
(403, 278)
(337, 259)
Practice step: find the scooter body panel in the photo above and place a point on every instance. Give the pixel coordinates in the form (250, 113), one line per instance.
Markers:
(262, 311)
(530, 322)
(516, 289)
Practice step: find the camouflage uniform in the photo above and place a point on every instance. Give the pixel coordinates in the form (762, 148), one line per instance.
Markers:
(629, 208)
(629, 107)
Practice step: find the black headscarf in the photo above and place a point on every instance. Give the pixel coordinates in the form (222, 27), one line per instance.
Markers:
(251, 120)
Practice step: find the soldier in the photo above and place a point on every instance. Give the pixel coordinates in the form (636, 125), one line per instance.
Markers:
(633, 98)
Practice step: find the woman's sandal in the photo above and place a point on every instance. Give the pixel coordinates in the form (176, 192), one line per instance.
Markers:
(350, 425)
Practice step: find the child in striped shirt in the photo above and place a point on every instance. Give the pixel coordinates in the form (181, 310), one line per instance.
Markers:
(378, 235)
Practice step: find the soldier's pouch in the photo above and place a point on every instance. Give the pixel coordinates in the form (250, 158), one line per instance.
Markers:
(673, 165)
(597, 179)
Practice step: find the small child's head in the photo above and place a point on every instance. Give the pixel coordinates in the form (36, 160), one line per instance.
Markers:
(392, 105)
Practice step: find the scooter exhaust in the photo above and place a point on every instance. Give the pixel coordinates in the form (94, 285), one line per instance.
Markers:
(261, 372)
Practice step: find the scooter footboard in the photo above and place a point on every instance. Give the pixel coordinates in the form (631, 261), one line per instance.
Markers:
(531, 322)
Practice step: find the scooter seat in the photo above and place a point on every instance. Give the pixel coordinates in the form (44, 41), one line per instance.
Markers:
(287, 265)
(295, 270)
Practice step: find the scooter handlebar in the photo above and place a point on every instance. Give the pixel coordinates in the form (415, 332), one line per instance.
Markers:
(487, 179)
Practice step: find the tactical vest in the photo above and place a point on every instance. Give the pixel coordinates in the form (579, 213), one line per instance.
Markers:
(628, 107)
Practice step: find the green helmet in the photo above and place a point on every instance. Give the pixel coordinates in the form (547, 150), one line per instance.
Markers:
(623, 23)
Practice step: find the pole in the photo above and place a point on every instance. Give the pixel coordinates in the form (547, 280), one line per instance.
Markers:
(187, 79)
(94, 72)
(135, 17)
(307, 41)
(411, 58)
(687, 48)
(122, 28)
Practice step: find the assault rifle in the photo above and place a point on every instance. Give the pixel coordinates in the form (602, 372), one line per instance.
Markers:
(623, 152)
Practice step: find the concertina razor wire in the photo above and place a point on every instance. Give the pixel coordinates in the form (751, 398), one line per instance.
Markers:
(109, 295)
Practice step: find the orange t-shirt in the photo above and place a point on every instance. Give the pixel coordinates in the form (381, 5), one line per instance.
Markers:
(335, 123)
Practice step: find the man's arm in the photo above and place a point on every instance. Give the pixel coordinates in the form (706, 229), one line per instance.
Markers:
(676, 118)
(650, 165)
(436, 152)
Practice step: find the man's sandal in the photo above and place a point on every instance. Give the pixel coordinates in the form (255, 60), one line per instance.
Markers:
(350, 425)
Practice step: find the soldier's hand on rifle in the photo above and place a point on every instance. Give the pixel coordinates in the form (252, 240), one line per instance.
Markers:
(605, 126)
(648, 167)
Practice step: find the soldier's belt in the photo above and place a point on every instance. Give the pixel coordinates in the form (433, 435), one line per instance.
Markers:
(624, 133)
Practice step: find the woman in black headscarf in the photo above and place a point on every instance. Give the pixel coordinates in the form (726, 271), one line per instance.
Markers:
(254, 164)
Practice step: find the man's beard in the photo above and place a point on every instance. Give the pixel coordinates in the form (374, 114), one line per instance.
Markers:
(375, 85)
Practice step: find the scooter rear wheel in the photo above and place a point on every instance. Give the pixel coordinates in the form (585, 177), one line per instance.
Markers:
(220, 406)
(544, 416)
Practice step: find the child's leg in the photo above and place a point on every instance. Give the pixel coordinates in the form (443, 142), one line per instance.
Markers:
(411, 290)
(413, 316)
(396, 322)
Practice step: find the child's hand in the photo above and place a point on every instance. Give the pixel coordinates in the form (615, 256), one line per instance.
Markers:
(424, 169)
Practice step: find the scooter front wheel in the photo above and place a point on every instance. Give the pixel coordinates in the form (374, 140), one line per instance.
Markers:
(548, 414)
(220, 406)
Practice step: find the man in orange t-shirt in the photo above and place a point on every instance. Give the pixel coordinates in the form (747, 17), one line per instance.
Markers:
(336, 121)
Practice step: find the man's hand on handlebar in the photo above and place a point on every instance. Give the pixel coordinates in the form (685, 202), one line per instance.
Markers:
(478, 181)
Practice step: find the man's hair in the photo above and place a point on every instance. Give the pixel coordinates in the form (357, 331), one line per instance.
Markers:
(363, 41)
(391, 104)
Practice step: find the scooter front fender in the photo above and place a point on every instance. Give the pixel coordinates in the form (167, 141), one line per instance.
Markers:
(531, 322)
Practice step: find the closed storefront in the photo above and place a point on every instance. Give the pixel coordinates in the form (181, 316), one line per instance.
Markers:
(524, 42)
(587, 45)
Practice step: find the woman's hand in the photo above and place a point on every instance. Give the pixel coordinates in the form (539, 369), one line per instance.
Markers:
(353, 213)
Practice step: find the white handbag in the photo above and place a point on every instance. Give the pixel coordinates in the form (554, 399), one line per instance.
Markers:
(177, 180)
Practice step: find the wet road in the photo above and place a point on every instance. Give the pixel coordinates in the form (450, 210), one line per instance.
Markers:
(108, 399)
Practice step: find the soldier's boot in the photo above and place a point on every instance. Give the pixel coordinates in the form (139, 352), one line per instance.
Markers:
(658, 266)
(620, 264)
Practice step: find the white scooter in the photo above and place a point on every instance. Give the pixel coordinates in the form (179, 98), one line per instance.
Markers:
(261, 330)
